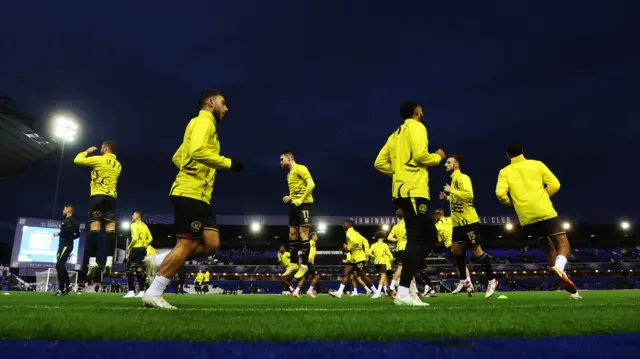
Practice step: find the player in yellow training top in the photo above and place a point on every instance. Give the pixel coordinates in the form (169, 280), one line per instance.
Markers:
(310, 271)
(197, 159)
(466, 226)
(398, 234)
(358, 248)
(140, 240)
(284, 258)
(381, 254)
(105, 171)
(300, 198)
(406, 158)
(527, 185)
(445, 233)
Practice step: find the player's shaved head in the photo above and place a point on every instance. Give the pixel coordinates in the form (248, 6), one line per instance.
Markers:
(514, 149)
(205, 95)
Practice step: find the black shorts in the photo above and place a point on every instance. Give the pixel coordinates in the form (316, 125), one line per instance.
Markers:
(136, 257)
(399, 256)
(102, 208)
(64, 252)
(192, 217)
(300, 215)
(543, 229)
(358, 268)
(389, 273)
(468, 234)
(311, 270)
(421, 231)
(381, 268)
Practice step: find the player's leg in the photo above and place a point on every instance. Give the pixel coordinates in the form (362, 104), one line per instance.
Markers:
(314, 279)
(142, 280)
(563, 248)
(365, 281)
(294, 232)
(458, 257)
(109, 207)
(343, 283)
(549, 249)
(300, 276)
(90, 264)
(131, 268)
(382, 271)
(64, 252)
(395, 280)
(421, 232)
(485, 259)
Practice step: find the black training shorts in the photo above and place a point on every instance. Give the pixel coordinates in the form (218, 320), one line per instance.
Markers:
(381, 268)
(136, 257)
(192, 217)
(399, 256)
(469, 234)
(358, 268)
(543, 229)
(300, 216)
(102, 208)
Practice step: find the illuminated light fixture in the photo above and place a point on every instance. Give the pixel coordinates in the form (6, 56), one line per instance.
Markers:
(508, 226)
(322, 227)
(255, 227)
(65, 128)
(566, 226)
(625, 225)
(125, 225)
(385, 227)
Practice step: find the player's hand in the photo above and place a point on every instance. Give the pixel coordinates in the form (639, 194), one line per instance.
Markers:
(297, 202)
(91, 150)
(443, 195)
(236, 165)
(286, 199)
(440, 153)
(447, 188)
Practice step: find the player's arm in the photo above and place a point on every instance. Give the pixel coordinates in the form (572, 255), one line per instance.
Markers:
(149, 237)
(549, 179)
(83, 159)
(383, 161)
(392, 235)
(134, 235)
(387, 251)
(419, 146)
(200, 135)
(367, 248)
(304, 173)
(502, 189)
(177, 156)
(466, 189)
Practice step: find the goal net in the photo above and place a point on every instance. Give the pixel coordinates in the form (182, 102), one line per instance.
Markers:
(47, 281)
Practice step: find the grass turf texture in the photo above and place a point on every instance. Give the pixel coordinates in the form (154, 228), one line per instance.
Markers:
(91, 316)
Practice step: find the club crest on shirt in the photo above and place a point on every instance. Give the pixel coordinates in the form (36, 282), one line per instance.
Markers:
(422, 208)
(195, 226)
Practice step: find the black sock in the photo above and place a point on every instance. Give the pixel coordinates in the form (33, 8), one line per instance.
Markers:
(132, 288)
(90, 250)
(461, 265)
(142, 281)
(486, 259)
(293, 251)
(111, 243)
(424, 275)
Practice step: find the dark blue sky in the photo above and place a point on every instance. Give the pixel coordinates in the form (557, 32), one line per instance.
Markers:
(325, 79)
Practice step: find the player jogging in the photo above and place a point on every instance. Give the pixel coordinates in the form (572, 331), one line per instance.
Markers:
(284, 258)
(466, 226)
(69, 231)
(105, 171)
(398, 234)
(405, 157)
(444, 225)
(358, 248)
(198, 159)
(381, 254)
(527, 186)
(140, 240)
(300, 197)
(310, 271)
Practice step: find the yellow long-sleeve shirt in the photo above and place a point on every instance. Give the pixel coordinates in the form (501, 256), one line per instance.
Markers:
(358, 246)
(405, 156)
(463, 212)
(380, 252)
(522, 185)
(398, 235)
(445, 231)
(140, 235)
(105, 170)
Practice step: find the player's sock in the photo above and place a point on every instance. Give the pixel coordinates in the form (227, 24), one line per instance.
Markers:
(393, 285)
(310, 289)
(355, 291)
(111, 243)
(291, 288)
(297, 291)
(367, 290)
(561, 261)
(142, 283)
(373, 290)
(132, 287)
(461, 265)
(158, 286)
(385, 288)
(341, 290)
(380, 288)
(403, 291)
(486, 259)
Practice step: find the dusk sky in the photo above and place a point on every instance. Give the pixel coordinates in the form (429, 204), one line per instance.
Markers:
(325, 79)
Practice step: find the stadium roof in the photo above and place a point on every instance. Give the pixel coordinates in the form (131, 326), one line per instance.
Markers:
(20, 144)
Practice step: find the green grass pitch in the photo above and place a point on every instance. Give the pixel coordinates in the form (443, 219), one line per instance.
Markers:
(91, 316)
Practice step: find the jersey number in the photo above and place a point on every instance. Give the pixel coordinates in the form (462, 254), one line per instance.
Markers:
(472, 236)
(305, 214)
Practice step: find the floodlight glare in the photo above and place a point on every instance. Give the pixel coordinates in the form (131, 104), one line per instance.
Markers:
(509, 226)
(65, 128)
(322, 227)
(125, 225)
(385, 227)
(566, 225)
(255, 227)
(625, 225)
